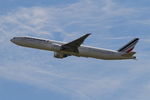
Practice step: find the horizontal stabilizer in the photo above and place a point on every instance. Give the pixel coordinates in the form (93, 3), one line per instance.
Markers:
(129, 54)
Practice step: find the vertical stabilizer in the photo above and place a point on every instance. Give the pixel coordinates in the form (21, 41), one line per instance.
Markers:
(130, 46)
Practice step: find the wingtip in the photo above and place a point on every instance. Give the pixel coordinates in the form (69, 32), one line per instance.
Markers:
(136, 39)
(89, 33)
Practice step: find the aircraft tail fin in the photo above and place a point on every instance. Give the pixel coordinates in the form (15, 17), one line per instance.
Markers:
(130, 46)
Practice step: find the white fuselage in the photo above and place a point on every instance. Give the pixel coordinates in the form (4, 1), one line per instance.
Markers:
(84, 51)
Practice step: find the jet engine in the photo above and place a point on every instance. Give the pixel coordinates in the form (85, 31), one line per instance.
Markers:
(59, 55)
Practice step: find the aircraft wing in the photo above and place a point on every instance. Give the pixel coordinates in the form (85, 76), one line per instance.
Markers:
(73, 45)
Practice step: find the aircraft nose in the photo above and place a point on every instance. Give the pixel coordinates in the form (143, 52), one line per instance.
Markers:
(12, 40)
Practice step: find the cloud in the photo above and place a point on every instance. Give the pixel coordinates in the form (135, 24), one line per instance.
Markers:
(66, 20)
(78, 77)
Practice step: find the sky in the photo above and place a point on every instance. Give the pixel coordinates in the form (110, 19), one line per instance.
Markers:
(30, 74)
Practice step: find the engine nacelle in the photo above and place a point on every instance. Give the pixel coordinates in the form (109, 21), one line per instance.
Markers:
(59, 55)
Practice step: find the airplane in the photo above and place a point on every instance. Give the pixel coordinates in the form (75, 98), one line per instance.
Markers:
(75, 48)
